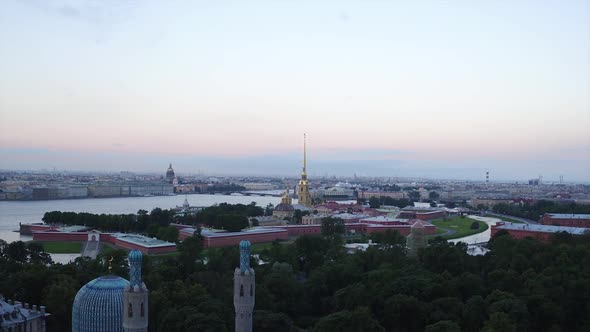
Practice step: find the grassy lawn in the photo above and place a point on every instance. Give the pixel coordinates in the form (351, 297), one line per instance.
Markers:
(461, 226)
(257, 248)
(62, 247)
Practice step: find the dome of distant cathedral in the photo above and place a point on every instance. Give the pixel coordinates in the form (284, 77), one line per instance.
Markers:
(284, 207)
(170, 172)
(98, 306)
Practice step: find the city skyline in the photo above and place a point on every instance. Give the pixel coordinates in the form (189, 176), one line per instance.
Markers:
(382, 89)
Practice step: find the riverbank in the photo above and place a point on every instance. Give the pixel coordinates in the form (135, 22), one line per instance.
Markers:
(12, 213)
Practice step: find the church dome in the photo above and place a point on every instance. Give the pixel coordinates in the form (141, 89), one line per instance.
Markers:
(284, 207)
(98, 306)
(170, 172)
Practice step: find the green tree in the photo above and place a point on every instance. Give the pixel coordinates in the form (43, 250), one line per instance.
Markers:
(474, 314)
(433, 195)
(443, 326)
(404, 313)
(374, 202)
(349, 321)
(389, 239)
(414, 195)
(268, 321)
(332, 226)
(499, 322)
(17, 251)
(269, 209)
(59, 298)
(169, 234)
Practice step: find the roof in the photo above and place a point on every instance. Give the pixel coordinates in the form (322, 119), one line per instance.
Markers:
(254, 230)
(569, 216)
(420, 224)
(141, 240)
(15, 313)
(73, 228)
(383, 219)
(421, 205)
(349, 216)
(301, 207)
(543, 228)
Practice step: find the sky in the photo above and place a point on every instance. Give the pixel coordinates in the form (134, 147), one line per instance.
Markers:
(440, 89)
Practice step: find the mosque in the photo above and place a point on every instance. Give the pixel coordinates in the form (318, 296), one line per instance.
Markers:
(112, 303)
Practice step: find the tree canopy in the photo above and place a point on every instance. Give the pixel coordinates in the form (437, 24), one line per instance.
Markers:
(313, 284)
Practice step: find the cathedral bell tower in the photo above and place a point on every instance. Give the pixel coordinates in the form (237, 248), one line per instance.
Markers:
(135, 297)
(244, 290)
(303, 195)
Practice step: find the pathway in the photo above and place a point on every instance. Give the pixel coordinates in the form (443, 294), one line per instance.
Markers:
(91, 249)
(479, 237)
(526, 221)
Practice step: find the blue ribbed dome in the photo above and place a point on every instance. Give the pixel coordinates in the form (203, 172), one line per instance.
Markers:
(135, 256)
(98, 306)
(245, 244)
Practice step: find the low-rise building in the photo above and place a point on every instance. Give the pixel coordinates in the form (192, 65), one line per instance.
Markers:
(566, 219)
(313, 219)
(489, 201)
(539, 232)
(16, 316)
(429, 213)
(128, 241)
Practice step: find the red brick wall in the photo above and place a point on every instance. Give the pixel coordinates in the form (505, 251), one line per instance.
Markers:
(548, 220)
(104, 237)
(224, 241)
(377, 229)
(523, 233)
(430, 215)
(59, 237)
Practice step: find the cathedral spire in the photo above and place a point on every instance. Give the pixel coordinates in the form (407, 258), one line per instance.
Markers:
(304, 155)
(303, 195)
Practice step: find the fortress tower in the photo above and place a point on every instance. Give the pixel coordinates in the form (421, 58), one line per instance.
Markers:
(244, 290)
(417, 239)
(135, 297)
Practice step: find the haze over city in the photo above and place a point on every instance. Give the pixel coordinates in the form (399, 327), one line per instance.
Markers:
(381, 88)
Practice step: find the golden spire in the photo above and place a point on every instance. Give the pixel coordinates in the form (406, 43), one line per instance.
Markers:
(111, 265)
(304, 155)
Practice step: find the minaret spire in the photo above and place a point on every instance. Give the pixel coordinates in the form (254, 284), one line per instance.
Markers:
(244, 290)
(135, 297)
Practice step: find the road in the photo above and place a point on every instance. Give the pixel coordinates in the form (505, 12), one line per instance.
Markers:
(526, 221)
(479, 237)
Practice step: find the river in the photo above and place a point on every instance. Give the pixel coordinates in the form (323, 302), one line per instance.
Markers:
(14, 212)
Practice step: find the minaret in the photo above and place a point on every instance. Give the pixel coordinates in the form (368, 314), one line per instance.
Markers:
(304, 198)
(135, 297)
(244, 290)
